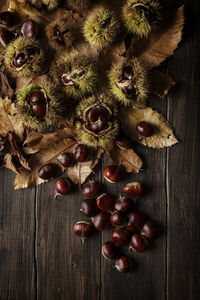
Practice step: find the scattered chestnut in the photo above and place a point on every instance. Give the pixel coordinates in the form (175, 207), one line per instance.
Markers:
(37, 97)
(65, 159)
(105, 202)
(101, 221)
(128, 72)
(39, 110)
(144, 129)
(98, 126)
(117, 220)
(29, 29)
(63, 186)
(92, 189)
(123, 142)
(133, 189)
(123, 264)
(149, 230)
(7, 18)
(81, 152)
(120, 236)
(89, 208)
(48, 171)
(109, 250)
(135, 220)
(97, 113)
(138, 243)
(113, 173)
(6, 37)
(83, 229)
(123, 205)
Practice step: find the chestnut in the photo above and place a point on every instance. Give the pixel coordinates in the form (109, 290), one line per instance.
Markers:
(128, 72)
(65, 159)
(117, 220)
(123, 205)
(37, 97)
(123, 142)
(98, 113)
(144, 129)
(101, 221)
(29, 29)
(109, 250)
(92, 189)
(81, 152)
(6, 37)
(39, 110)
(63, 186)
(7, 18)
(138, 243)
(113, 173)
(89, 208)
(21, 59)
(133, 189)
(135, 220)
(83, 229)
(123, 264)
(105, 202)
(149, 230)
(98, 126)
(48, 171)
(120, 236)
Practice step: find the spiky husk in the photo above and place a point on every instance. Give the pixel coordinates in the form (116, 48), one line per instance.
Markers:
(19, 45)
(78, 4)
(101, 28)
(141, 16)
(63, 26)
(36, 6)
(139, 82)
(55, 105)
(71, 64)
(105, 137)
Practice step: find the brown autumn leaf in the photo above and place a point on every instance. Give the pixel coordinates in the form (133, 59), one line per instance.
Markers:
(80, 171)
(162, 43)
(127, 158)
(163, 133)
(160, 83)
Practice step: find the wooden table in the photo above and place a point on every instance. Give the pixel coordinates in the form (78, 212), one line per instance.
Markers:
(40, 258)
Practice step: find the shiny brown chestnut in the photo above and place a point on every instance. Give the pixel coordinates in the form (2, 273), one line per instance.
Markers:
(128, 72)
(109, 250)
(37, 97)
(117, 220)
(6, 37)
(89, 208)
(65, 159)
(63, 186)
(92, 189)
(83, 229)
(113, 173)
(135, 220)
(7, 18)
(39, 110)
(48, 171)
(123, 264)
(149, 230)
(138, 243)
(123, 205)
(98, 113)
(133, 189)
(29, 29)
(81, 152)
(144, 129)
(101, 221)
(98, 126)
(105, 202)
(120, 236)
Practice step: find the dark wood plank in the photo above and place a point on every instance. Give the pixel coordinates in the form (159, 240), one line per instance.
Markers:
(17, 236)
(183, 164)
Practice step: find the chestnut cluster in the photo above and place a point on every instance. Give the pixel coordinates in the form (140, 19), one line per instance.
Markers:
(130, 226)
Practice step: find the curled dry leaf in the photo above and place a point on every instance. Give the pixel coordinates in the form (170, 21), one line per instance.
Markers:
(127, 158)
(160, 83)
(162, 43)
(163, 134)
(80, 171)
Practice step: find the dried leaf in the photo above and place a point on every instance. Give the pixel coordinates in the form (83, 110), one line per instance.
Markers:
(41, 158)
(160, 83)
(162, 43)
(163, 134)
(127, 158)
(79, 172)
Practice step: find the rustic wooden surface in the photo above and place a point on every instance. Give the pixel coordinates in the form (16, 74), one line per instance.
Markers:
(40, 258)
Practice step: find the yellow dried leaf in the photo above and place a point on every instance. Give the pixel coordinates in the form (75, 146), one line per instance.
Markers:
(163, 134)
